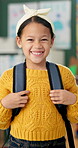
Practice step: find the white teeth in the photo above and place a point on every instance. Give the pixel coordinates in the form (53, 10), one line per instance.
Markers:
(35, 53)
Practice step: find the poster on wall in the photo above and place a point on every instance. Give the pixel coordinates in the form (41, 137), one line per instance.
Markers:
(11, 60)
(15, 12)
(60, 15)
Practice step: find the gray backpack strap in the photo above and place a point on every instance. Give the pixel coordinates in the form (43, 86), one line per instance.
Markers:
(56, 83)
(54, 76)
(19, 83)
(19, 77)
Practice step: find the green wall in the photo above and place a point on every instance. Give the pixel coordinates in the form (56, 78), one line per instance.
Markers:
(3, 24)
(69, 53)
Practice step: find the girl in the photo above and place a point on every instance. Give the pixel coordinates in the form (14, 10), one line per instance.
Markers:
(38, 125)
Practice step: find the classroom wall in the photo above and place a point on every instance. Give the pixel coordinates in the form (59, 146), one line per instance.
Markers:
(8, 45)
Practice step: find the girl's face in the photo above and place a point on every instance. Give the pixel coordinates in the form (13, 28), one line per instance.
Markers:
(36, 42)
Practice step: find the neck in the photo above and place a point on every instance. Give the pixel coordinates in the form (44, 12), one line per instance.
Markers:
(38, 66)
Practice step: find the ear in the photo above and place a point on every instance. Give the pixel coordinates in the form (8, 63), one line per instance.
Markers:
(52, 42)
(18, 41)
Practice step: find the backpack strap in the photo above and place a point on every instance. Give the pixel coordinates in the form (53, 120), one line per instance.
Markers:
(19, 77)
(54, 75)
(19, 83)
(56, 83)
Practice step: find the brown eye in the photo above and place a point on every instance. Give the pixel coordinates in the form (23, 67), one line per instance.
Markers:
(44, 39)
(30, 40)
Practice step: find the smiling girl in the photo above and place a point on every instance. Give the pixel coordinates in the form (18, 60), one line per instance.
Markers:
(38, 125)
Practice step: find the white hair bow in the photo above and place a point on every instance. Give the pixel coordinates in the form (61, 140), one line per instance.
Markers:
(36, 12)
(33, 12)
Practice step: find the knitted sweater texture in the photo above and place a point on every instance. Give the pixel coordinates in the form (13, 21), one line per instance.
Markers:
(39, 120)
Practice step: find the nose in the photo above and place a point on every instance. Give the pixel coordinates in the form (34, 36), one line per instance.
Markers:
(37, 44)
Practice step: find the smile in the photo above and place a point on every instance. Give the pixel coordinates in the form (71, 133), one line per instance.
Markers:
(37, 53)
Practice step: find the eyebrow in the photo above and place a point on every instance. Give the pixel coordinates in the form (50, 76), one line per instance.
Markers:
(41, 36)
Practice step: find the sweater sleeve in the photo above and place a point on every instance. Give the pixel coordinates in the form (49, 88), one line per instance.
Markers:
(69, 82)
(72, 112)
(5, 89)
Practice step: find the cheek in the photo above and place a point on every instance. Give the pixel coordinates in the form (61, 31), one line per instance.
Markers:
(47, 50)
(26, 50)
(48, 46)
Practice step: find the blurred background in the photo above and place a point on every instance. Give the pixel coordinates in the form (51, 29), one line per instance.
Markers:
(64, 15)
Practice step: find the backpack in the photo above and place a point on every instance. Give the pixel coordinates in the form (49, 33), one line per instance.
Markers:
(19, 84)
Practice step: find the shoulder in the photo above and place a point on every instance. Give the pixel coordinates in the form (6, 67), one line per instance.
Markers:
(67, 76)
(7, 75)
(64, 70)
(8, 72)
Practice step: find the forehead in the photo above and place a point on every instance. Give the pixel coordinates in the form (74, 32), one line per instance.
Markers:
(35, 27)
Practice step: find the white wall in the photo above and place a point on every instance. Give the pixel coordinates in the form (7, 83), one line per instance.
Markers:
(7, 45)
(56, 56)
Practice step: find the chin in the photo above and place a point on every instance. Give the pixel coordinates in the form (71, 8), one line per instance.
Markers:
(37, 61)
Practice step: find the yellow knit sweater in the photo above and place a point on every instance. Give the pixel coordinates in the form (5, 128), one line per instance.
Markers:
(39, 120)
